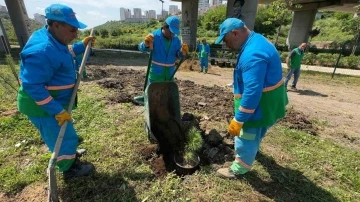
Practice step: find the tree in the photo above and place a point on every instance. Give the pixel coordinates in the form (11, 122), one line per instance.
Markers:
(104, 33)
(279, 15)
(352, 26)
(213, 18)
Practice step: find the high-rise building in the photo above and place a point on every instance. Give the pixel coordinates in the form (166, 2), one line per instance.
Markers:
(215, 3)
(3, 9)
(125, 14)
(165, 13)
(203, 6)
(173, 9)
(152, 14)
(39, 18)
(137, 13)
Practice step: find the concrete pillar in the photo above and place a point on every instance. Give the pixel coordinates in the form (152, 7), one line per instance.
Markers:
(4, 42)
(19, 19)
(189, 9)
(243, 9)
(302, 23)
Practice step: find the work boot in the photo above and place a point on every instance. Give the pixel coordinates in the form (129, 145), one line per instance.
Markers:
(78, 170)
(226, 173)
(201, 70)
(80, 153)
(293, 88)
(205, 71)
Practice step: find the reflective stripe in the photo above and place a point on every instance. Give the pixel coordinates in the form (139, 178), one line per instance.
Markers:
(163, 64)
(71, 50)
(242, 163)
(56, 87)
(60, 87)
(246, 110)
(274, 87)
(47, 100)
(65, 157)
(237, 95)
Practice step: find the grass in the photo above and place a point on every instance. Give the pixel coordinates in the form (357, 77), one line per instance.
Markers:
(292, 165)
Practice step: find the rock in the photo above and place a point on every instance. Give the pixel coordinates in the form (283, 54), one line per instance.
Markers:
(214, 138)
(229, 142)
(202, 104)
(212, 153)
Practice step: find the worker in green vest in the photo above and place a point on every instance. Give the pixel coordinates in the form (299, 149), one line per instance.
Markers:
(293, 61)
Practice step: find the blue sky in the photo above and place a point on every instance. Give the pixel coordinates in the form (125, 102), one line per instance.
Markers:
(96, 12)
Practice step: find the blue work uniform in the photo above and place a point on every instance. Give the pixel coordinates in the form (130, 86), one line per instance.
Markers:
(48, 76)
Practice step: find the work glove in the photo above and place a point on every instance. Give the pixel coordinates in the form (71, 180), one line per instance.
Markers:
(62, 117)
(87, 39)
(235, 127)
(184, 48)
(149, 41)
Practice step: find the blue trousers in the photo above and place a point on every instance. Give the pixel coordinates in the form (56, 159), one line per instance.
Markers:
(246, 146)
(49, 130)
(296, 73)
(204, 63)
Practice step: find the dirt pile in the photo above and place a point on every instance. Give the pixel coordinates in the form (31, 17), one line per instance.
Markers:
(298, 121)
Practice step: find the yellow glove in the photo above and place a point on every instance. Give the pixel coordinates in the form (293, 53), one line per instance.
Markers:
(62, 117)
(149, 40)
(235, 127)
(184, 48)
(87, 39)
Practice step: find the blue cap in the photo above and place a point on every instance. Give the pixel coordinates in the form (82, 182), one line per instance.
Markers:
(174, 24)
(63, 13)
(227, 26)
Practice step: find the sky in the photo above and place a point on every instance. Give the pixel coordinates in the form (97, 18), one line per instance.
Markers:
(96, 12)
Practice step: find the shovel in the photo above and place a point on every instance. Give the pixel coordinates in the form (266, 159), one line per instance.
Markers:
(52, 192)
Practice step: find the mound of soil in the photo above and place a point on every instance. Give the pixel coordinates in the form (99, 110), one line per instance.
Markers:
(298, 121)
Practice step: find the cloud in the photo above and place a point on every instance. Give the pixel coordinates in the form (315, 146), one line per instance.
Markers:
(96, 13)
(40, 9)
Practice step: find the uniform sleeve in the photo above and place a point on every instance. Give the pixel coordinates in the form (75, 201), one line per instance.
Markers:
(37, 72)
(253, 73)
(142, 47)
(178, 48)
(78, 48)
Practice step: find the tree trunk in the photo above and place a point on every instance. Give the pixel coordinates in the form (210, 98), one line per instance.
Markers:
(277, 35)
(355, 45)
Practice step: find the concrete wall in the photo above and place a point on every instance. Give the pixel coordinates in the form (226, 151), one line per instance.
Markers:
(19, 19)
(189, 12)
(302, 23)
(248, 11)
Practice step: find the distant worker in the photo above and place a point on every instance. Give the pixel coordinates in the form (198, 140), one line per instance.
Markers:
(293, 61)
(166, 47)
(204, 54)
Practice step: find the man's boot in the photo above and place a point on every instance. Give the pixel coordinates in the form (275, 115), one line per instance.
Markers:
(226, 173)
(78, 170)
(201, 70)
(205, 71)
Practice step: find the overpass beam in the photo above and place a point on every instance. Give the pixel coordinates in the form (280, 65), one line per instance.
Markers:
(246, 12)
(19, 19)
(301, 25)
(189, 10)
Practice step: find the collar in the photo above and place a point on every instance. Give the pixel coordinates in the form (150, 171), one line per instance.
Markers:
(59, 45)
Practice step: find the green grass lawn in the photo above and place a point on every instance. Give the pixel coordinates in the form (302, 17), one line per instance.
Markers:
(291, 166)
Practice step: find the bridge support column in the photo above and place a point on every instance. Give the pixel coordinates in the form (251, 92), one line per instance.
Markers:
(189, 9)
(244, 10)
(19, 19)
(302, 23)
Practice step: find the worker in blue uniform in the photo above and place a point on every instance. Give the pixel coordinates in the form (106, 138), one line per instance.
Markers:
(48, 76)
